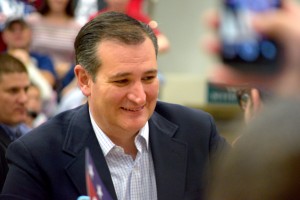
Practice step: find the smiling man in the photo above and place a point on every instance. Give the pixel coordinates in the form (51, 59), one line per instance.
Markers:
(142, 148)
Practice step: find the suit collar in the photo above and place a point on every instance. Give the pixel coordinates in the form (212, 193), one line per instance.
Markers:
(5, 140)
(169, 157)
(80, 135)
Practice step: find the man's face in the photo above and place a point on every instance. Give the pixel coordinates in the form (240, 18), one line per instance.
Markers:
(17, 36)
(124, 94)
(13, 98)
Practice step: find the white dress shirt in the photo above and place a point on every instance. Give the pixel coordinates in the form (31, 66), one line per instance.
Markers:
(132, 179)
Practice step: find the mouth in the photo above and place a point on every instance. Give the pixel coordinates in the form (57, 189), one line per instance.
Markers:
(137, 109)
(21, 109)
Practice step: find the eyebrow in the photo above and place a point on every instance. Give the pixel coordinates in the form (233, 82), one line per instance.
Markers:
(120, 75)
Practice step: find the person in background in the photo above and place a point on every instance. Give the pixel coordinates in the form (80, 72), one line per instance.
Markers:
(35, 115)
(18, 36)
(286, 81)
(13, 8)
(14, 82)
(135, 5)
(54, 30)
(139, 144)
(124, 7)
(252, 100)
(264, 162)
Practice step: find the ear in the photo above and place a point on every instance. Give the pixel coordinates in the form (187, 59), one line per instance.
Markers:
(84, 80)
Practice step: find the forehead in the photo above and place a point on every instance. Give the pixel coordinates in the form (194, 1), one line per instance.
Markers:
(33, 90)
(15, 79)
(116, 56)
(111, 48)
(17, 24)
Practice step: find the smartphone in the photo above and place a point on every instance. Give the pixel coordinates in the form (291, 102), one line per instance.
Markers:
(242, 47)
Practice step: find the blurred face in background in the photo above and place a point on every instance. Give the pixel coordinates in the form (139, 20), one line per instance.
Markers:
(250, 102)
(58, 6)
(13, 98)
(117, 5)
(17, 36)
(34, 104)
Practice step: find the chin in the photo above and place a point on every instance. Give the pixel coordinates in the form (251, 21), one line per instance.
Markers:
(135, 126)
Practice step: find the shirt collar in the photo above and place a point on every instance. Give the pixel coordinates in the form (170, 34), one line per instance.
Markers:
(11, 131)
(106, 144)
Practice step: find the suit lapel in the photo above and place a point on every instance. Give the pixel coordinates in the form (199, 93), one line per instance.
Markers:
(169, 157)
(79, 136)
(4, 138)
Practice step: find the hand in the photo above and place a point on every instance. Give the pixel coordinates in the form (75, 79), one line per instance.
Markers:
(279, 25)
(22, 55)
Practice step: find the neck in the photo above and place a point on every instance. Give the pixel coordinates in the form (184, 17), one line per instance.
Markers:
(127, 143)
(57, 17)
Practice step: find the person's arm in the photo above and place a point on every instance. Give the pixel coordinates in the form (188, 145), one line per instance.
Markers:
(35, 74)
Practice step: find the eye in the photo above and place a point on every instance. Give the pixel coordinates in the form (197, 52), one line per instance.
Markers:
(26, 88)
(13, 91)
(121, 82)
(149, 78)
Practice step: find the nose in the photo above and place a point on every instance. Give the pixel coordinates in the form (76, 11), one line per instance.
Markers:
(23, 97)
(137, 93)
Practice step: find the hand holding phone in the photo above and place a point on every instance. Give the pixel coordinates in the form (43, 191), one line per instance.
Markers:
(241, 47)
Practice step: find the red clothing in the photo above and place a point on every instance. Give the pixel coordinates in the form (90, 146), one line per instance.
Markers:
(2, 44)
(135, 5)
(133, 12)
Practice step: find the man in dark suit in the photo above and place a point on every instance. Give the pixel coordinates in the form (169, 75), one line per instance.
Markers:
(14, 81)
(142, 148)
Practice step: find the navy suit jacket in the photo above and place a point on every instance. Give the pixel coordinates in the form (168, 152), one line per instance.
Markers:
(49, 162)
(4, 142)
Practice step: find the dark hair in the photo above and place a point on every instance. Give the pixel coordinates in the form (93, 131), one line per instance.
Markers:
(10, 64)
(108, 26)
(70, 8)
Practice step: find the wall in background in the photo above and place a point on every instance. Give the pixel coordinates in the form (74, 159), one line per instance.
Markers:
(186, 66)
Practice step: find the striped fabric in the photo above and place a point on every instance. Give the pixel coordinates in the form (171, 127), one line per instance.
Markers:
(54, 40)
(132, 179)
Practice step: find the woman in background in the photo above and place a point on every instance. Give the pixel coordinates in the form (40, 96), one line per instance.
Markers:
(54, 30)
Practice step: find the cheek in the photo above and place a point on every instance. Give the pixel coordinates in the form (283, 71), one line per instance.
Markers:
(7, 100)
(153, 90)
(107, 95)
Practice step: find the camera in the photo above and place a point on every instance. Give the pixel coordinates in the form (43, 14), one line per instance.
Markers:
(241, 47)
